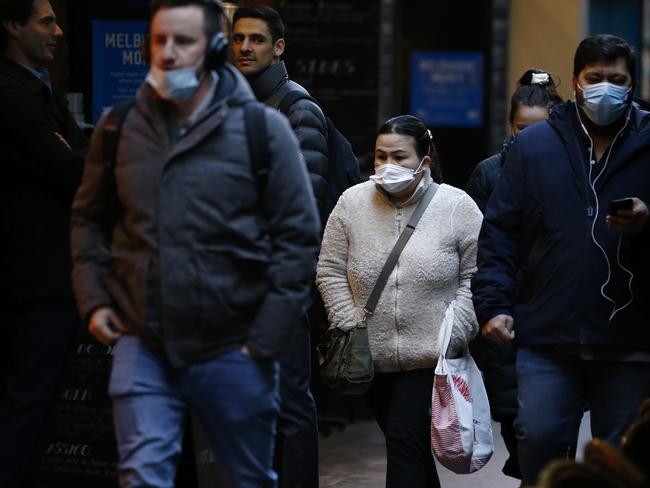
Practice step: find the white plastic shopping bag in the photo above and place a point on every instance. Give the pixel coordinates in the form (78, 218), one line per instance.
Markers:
(461, 427)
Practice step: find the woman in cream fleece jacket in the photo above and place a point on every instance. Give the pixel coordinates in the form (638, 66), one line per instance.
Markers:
(433, 273)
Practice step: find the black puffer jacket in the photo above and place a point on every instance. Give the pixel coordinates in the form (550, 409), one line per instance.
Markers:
(484, 178)
(308, 123)
(497, 361)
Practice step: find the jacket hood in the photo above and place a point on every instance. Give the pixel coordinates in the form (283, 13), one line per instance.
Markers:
(266, 83)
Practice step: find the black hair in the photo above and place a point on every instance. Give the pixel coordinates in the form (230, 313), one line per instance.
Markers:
(533, 93)
(604, 48)
(267, 14)
(212, 12)
(409, 125)
(16, 11)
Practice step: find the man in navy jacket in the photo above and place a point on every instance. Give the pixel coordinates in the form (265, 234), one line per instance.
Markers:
(563, 274)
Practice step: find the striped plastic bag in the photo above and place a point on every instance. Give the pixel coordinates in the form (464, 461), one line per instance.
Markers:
(461, 426)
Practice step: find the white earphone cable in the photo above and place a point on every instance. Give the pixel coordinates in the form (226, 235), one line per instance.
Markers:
(592, 186)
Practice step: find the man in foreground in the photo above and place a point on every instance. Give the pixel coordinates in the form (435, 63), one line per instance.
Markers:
(193, 263)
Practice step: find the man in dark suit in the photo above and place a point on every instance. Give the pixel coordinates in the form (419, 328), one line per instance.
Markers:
(41, 152)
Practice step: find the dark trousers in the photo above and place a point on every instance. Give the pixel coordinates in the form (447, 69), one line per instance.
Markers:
(36, 348)
(296, 451)
(553, 389)
(511, 466)
(401, 403)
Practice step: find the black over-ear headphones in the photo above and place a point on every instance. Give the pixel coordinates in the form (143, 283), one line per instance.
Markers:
(216, 51)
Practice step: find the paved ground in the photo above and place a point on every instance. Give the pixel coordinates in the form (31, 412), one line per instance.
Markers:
(355, 458)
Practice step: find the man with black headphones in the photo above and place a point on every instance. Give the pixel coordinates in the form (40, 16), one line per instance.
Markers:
(42, 150)
(564, 261)
(194, 258)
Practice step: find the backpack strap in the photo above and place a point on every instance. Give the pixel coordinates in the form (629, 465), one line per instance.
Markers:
(292, 97)
(112, 130)
(258, 142)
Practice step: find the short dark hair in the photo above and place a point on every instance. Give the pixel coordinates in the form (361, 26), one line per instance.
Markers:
(16, 11)
(409, 125)
(534, 94)
(604, 48)
(262, 12)
(212, 11)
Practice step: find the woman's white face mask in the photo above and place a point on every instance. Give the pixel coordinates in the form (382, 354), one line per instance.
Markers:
(395, 178)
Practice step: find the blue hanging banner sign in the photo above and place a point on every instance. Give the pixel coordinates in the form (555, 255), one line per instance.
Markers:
(118, 63)
(447, 88)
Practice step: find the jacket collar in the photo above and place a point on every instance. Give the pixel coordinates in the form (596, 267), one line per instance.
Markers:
(231, 89)
(269, 80)
(565, 121)
(636, 135)
(22, 74)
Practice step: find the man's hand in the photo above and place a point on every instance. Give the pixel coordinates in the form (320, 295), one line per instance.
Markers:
(106, 326)
(499, 329)
(629, 221)
(247, 351)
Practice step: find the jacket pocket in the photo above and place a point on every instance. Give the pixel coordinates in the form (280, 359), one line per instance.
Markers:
(232, 289)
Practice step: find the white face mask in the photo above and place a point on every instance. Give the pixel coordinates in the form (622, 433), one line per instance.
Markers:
(394, 178)
(177, 84)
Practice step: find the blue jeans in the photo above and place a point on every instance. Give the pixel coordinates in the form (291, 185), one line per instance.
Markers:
(234, 397)
(553, 390)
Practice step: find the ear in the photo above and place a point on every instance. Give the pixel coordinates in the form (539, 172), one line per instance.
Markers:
(574, 81)
(426, 162)
(12, 27)
(278, 48)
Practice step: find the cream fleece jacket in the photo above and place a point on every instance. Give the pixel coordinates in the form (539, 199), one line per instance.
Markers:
(434, 269)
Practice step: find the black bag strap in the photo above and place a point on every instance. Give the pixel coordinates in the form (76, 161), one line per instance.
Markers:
(397, 250)
(292, 97)
(258, 143)
(112, 130)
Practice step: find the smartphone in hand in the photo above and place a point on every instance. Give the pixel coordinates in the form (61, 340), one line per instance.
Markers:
(620, 204)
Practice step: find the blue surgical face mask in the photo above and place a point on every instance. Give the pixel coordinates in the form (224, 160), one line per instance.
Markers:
(176, 84)
(604, 102)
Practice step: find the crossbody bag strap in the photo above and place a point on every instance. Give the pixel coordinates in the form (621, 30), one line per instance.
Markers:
(397, 250)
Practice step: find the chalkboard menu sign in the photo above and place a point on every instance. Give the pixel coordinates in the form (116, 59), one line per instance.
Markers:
(332, 50)
(81, 448)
